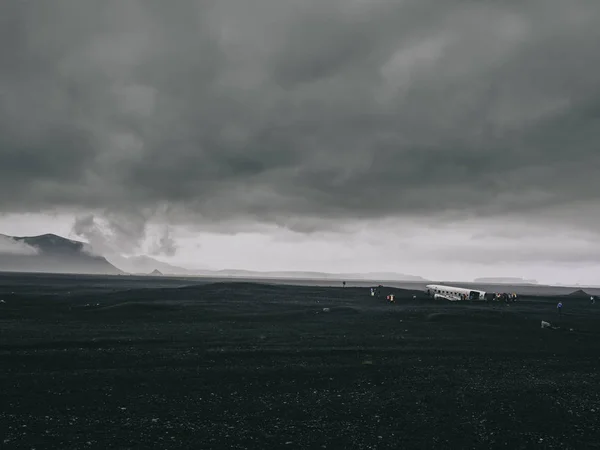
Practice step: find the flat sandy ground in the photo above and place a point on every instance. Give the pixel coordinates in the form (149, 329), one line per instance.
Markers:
(238, 365)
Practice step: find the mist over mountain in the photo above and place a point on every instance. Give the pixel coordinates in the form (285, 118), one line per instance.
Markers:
(382, 276)
(146, 264)
(51, 253)
(504, 280)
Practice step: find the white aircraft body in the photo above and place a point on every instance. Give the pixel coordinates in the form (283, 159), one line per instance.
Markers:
(453, 293)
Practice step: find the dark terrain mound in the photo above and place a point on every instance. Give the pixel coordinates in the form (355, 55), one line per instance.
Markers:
(55, 254)
(154, 363)
(579, 294)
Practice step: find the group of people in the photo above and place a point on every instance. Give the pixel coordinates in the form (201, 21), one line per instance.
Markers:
(376, 292)
(504, 297)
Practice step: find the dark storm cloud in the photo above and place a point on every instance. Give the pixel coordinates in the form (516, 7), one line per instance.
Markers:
(322, 109)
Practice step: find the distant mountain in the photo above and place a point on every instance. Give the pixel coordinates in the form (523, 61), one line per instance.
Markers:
(387, 276)
(51, 253)
(504, 280)
(156, 273)
(145, 264)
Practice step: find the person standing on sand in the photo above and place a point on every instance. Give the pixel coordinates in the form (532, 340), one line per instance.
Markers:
(559, 308)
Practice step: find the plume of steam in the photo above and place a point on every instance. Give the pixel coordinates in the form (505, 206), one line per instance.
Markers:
(13, 247)
(87, 228)
(111, 235)
(122, 233)
(164, 244)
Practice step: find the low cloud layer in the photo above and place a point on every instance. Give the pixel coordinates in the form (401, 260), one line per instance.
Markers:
(303, 114)
(9, 246)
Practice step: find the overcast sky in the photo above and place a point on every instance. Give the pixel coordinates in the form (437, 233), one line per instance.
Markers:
(448, 139)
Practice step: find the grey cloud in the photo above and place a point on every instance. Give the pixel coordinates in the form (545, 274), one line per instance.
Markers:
(299, 115)
(505, 243)
(575, 255)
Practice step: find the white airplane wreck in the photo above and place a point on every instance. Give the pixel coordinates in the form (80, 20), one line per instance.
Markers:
(453, 293)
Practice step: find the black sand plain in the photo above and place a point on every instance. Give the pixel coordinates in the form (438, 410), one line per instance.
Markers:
(118, 363)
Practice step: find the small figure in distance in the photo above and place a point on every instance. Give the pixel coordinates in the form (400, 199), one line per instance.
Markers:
(343, 284)
(559, 308)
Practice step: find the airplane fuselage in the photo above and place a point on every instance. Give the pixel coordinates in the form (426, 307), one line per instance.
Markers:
(454, 293)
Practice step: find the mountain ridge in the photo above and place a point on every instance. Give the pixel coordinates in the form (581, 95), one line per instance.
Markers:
(143, 264)
(43, 253)
(51, 253)
(387, 276)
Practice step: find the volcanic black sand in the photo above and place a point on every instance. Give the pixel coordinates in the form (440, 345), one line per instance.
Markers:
(106, 363)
